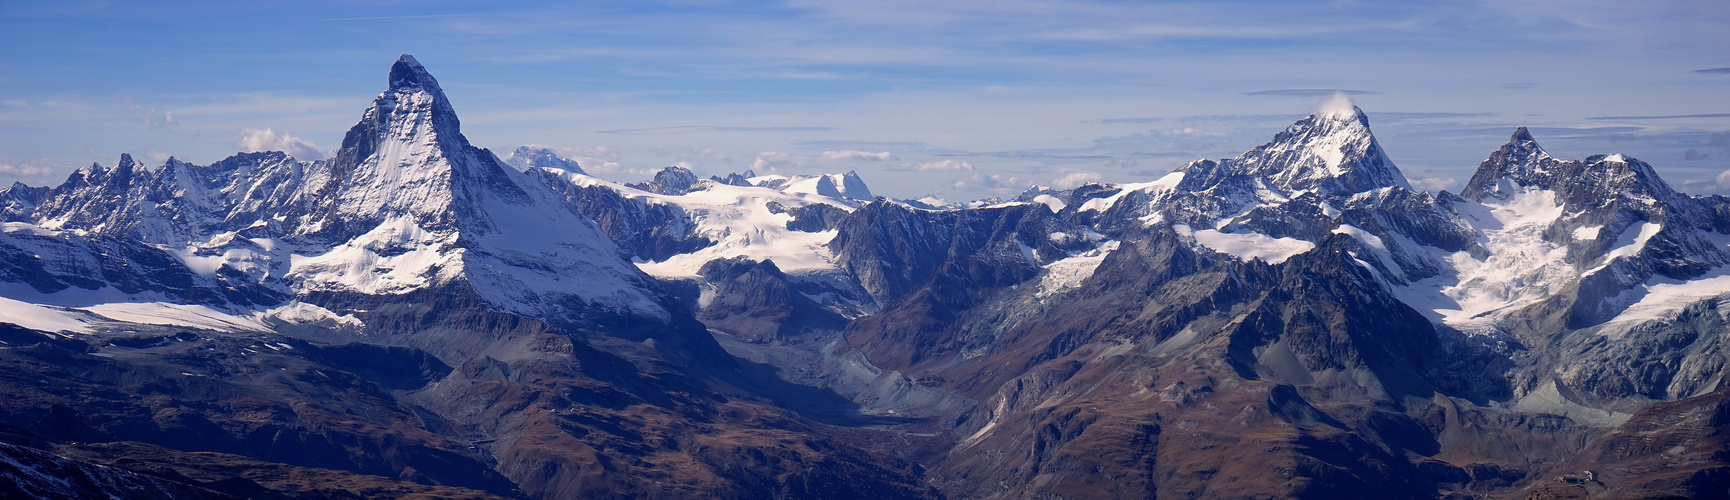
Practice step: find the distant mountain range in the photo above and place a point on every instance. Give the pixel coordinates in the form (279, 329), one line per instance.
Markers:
(416, 316)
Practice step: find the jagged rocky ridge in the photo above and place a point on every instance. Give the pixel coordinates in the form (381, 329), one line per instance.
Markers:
(1296, 321)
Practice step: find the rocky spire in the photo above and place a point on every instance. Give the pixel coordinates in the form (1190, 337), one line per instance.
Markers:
(407, 73)
(1521, 161)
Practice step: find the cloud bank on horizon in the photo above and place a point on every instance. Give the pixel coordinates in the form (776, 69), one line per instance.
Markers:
(959, 100)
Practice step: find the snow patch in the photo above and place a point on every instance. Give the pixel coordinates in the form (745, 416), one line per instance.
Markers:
(1166, 183)
(1662, 298)
(1050, 201)
(1631, 242)
(1329, 211)
(1068, 273)
(395, 257)
(164, 313)
(36, 317)
(301, 313)
(1375, 243)
(1248, 246)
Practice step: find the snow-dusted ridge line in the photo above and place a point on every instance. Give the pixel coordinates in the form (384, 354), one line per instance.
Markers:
(1165, 183)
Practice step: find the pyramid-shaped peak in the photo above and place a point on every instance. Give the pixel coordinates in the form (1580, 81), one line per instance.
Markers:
(1521, 148)
(407, 73)
(1521, 135)
(1522, 145)
(1331, 150)
(1514, 164)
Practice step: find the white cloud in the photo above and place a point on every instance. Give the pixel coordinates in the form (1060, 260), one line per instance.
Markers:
(26, 170)
(1437, 184)
(711, 154)
(265, 139)
(153, 118)
(1338, 105)
(944, 166)
(1193, 132)
(769, 161)
(1724, 180)
(1074, 180)
(596, 152)
(594, 160)
(855, 156)
(994, 182)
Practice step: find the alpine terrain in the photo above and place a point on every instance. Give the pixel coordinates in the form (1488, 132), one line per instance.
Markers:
(419, 317)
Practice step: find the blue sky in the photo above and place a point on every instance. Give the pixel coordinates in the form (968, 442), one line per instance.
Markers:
(956, 99)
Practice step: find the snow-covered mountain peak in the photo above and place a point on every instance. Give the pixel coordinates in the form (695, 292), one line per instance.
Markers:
(407, 157)
(1519, 163)
(847, 186)
(1332, 152)
(527, 157)
(1522, 164)
(854, 187)
(671, 181)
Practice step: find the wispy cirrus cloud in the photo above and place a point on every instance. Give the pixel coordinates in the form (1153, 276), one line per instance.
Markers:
(1309, 92)
(849, 155)
(774, 161)
(151, 117)
(689, 129)
(944, 166)
(1661, 117)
